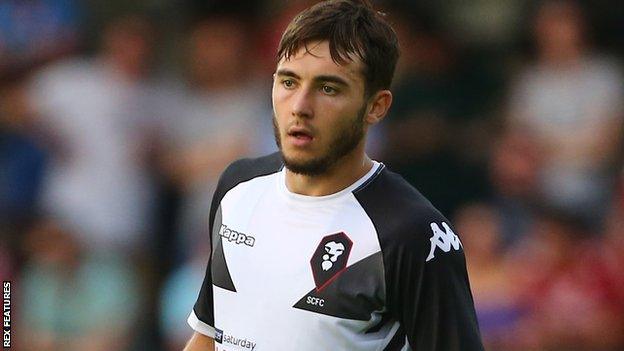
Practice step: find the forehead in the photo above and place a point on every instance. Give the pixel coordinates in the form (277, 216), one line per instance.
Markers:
(315, 59)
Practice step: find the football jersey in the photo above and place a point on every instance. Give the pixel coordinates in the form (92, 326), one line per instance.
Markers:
(372, 267)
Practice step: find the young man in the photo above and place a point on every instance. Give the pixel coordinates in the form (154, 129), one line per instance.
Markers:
(318, 247)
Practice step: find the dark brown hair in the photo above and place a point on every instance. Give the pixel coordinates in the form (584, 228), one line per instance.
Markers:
(352, 27)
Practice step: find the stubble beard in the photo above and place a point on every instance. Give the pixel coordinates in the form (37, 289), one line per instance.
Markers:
(343, 144)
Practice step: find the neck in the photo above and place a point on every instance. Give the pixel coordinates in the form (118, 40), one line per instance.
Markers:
(345, 172)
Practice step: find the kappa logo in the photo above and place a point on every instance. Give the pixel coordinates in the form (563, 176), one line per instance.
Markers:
(237, 237)
(330, 259)
(445, 240)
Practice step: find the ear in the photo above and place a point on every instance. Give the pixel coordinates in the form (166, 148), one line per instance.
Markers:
(378, 106)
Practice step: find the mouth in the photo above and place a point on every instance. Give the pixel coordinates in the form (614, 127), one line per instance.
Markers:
(300, 136)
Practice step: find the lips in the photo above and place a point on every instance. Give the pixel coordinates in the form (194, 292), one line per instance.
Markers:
(300, 136)
(299, 131)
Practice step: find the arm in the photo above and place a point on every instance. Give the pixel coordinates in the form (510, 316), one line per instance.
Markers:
(426, 282)
(430, 293)
(200, 342)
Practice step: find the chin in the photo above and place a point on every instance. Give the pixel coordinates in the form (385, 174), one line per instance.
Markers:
(297, 160)
(308, 166)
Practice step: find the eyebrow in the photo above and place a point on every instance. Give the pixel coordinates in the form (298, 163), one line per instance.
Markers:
(321, 78)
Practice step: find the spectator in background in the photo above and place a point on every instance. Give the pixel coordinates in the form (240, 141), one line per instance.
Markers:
(178, 295)
(610, 255)
(96, 111)
(514, 166)
(436, 132)
(418, 129)
(490, 24)
(569, 293)
(70, 300)
(22, 155)
(36, 31)
(212, 119)
(497, 296)
(569, 104)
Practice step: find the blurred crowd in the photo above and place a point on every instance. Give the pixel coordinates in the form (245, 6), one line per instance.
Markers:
(117, 117)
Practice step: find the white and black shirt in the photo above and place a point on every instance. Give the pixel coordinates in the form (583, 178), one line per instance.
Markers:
(372, 267)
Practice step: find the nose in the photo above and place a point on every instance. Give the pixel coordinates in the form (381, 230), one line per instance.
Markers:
(302, 104)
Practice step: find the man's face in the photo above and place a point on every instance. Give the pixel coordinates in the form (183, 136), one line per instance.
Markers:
(319, 109)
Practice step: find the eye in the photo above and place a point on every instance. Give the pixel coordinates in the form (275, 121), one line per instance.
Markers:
(288, 83)
(329, 90)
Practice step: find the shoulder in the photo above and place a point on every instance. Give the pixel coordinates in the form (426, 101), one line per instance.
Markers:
(391, 196)
(247, 169)
(241, 171)
(401, 215)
